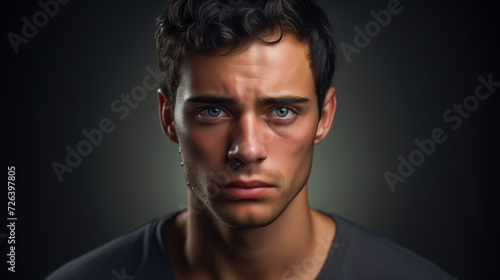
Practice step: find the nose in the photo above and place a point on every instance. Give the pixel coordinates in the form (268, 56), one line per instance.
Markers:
(247, 143)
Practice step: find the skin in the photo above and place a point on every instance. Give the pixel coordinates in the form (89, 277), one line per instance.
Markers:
(256, 107)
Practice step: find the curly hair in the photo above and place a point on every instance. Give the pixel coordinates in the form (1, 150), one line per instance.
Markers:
(207, 26)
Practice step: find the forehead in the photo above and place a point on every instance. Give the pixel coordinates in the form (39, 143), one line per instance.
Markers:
(259, 69)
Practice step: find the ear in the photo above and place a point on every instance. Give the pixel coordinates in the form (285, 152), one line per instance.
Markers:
(166, 121)
(327, 113)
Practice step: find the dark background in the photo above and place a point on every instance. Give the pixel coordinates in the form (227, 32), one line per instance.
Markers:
(393, 92)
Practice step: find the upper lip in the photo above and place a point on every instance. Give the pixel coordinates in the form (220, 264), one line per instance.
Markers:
(248, 184)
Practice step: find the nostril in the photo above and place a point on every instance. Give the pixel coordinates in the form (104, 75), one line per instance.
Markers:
(234, 166)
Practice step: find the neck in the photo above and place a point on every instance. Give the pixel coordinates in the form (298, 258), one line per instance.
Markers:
(257, 253)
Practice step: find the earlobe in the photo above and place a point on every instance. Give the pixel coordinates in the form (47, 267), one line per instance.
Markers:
(327, 114)
(166, 121)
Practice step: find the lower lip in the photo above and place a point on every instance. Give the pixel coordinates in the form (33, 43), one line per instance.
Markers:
(247, 193)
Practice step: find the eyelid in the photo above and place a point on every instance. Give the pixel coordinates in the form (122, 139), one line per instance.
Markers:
(294, 111)
(291, 108)
(204, 108)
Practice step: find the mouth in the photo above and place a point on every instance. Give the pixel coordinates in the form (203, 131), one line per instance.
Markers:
(243, 190)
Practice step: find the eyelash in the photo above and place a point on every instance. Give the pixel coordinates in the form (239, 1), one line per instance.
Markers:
(201, 110)
(290, 110)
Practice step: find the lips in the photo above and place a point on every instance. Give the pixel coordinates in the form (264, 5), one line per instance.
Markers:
(242, 190)
(248, 184)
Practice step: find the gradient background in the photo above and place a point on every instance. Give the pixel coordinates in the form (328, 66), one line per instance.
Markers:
(395, 91)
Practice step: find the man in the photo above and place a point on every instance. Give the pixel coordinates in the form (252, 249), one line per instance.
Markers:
(246, 94)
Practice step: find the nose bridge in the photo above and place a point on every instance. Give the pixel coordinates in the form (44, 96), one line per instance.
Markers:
(248, 125)
(247, 143)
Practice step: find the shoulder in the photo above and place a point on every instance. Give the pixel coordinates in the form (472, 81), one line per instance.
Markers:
(122, 258)
(368, 256)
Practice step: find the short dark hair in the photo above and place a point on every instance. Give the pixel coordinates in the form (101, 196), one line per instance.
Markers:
(207, 26)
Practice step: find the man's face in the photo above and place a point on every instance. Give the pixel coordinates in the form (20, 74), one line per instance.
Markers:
(246, 124)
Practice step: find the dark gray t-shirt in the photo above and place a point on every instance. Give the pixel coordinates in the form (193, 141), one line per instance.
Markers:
(355, 254)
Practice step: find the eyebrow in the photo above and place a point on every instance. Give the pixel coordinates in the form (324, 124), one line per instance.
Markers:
(282, 100)
(212, 100)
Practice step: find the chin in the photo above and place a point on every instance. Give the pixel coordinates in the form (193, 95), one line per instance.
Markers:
(246, 216)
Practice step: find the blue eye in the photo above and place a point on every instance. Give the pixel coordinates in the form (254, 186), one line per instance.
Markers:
(213, 112)
(283, 112)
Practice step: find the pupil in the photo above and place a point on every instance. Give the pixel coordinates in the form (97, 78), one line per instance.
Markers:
(214, 112)
(282, 112)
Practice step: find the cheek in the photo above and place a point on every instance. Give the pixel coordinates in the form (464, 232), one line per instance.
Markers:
(292, 150)
(205, 147)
